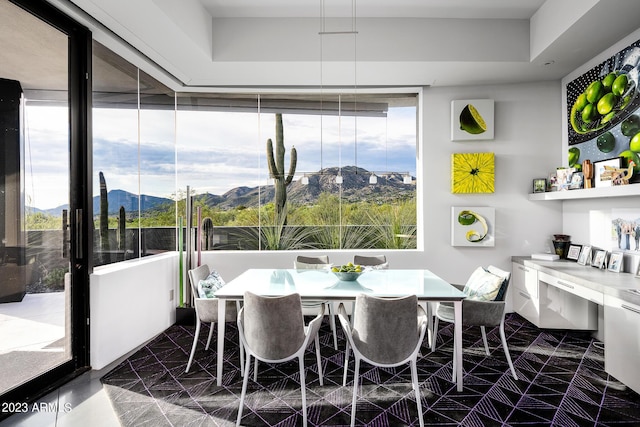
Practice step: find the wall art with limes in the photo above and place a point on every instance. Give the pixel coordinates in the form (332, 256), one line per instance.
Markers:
(472, 119)
(603, 112)
(473, 226)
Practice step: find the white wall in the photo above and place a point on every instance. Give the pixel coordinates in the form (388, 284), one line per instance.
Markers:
(129, 304)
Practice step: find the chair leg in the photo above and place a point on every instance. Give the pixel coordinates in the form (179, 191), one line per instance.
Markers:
(346, 365)
(434, 336)
(503, 338)
(319, 359)
(244, 389)
(416, 387)
(211, 327)
(241, 348)
(484, 340)
(193, 347)
(255, 371)
(303, 388)
(356, 380)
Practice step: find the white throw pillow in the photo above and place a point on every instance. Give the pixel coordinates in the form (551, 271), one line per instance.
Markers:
(482, 285)
(207, 287)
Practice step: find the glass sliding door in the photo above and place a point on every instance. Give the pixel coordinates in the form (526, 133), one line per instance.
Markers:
(37, 133)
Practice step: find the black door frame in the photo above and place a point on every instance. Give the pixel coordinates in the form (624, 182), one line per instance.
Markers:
(80, 206)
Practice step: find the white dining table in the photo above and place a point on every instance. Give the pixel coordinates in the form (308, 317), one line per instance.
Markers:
(323, 285)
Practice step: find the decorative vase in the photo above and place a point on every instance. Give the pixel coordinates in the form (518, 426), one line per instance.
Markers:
(561, 248)
(561, 244)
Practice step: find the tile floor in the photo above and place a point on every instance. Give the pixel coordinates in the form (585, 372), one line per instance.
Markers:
(31, 326)
(81, 402)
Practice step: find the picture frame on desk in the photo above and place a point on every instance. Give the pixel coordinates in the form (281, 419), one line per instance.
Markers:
(585, 255)
(615, 262)
(573, 253)
(599, 258)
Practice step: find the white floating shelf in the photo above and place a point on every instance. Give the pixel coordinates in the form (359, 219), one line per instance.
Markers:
(589, 193)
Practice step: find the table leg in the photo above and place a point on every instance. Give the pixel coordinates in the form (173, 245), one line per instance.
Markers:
(457, 341)
(222, 306)
(427, 309)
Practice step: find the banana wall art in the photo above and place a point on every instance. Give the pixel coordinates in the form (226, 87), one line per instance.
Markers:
(473, 226)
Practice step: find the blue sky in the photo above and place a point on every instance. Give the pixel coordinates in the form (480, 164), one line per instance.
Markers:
(216, 151)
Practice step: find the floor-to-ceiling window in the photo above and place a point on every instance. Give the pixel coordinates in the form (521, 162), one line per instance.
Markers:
(342, 172)
(42, 255)
(134, 182)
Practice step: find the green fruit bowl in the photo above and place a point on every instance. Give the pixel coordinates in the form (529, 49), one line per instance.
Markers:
(347, 276)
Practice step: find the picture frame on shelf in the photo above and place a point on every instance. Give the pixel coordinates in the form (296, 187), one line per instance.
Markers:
(577, 181)
(615, 261)
(539, 185)
(599, 258)
(585, 255)
(573, 253)
(600, 177)
(564, 177)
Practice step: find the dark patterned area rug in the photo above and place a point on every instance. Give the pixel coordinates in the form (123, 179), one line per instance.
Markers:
(561, 382)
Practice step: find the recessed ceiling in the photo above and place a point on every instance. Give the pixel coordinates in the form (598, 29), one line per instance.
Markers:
(500, 9)
(202, 45)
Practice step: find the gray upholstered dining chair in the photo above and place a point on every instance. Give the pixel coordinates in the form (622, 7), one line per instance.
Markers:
(318, 263)
(272, 330)
(207, 311)
(479, 311)
(386, 332)
(375, 261)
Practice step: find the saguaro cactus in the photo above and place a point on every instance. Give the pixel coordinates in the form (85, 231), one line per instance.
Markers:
(207, 234)
(104, 216)
(276, 167)
(122, 224)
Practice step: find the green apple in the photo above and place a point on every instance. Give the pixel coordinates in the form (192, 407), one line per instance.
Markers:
(630, 126)
(574, 156)
(634, 144)
(606, 142)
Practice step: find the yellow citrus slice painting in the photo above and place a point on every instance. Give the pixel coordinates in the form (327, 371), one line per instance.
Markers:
(472, 173)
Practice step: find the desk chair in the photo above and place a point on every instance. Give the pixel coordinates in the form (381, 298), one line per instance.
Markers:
(272, 330)
(377, 261)
(207, 311)
(477, 311)
(386, 332)
(318, 263)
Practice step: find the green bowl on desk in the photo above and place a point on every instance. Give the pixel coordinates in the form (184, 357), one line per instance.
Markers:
(347, 276)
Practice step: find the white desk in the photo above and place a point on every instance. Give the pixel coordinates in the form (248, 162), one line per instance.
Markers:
(323, 285)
